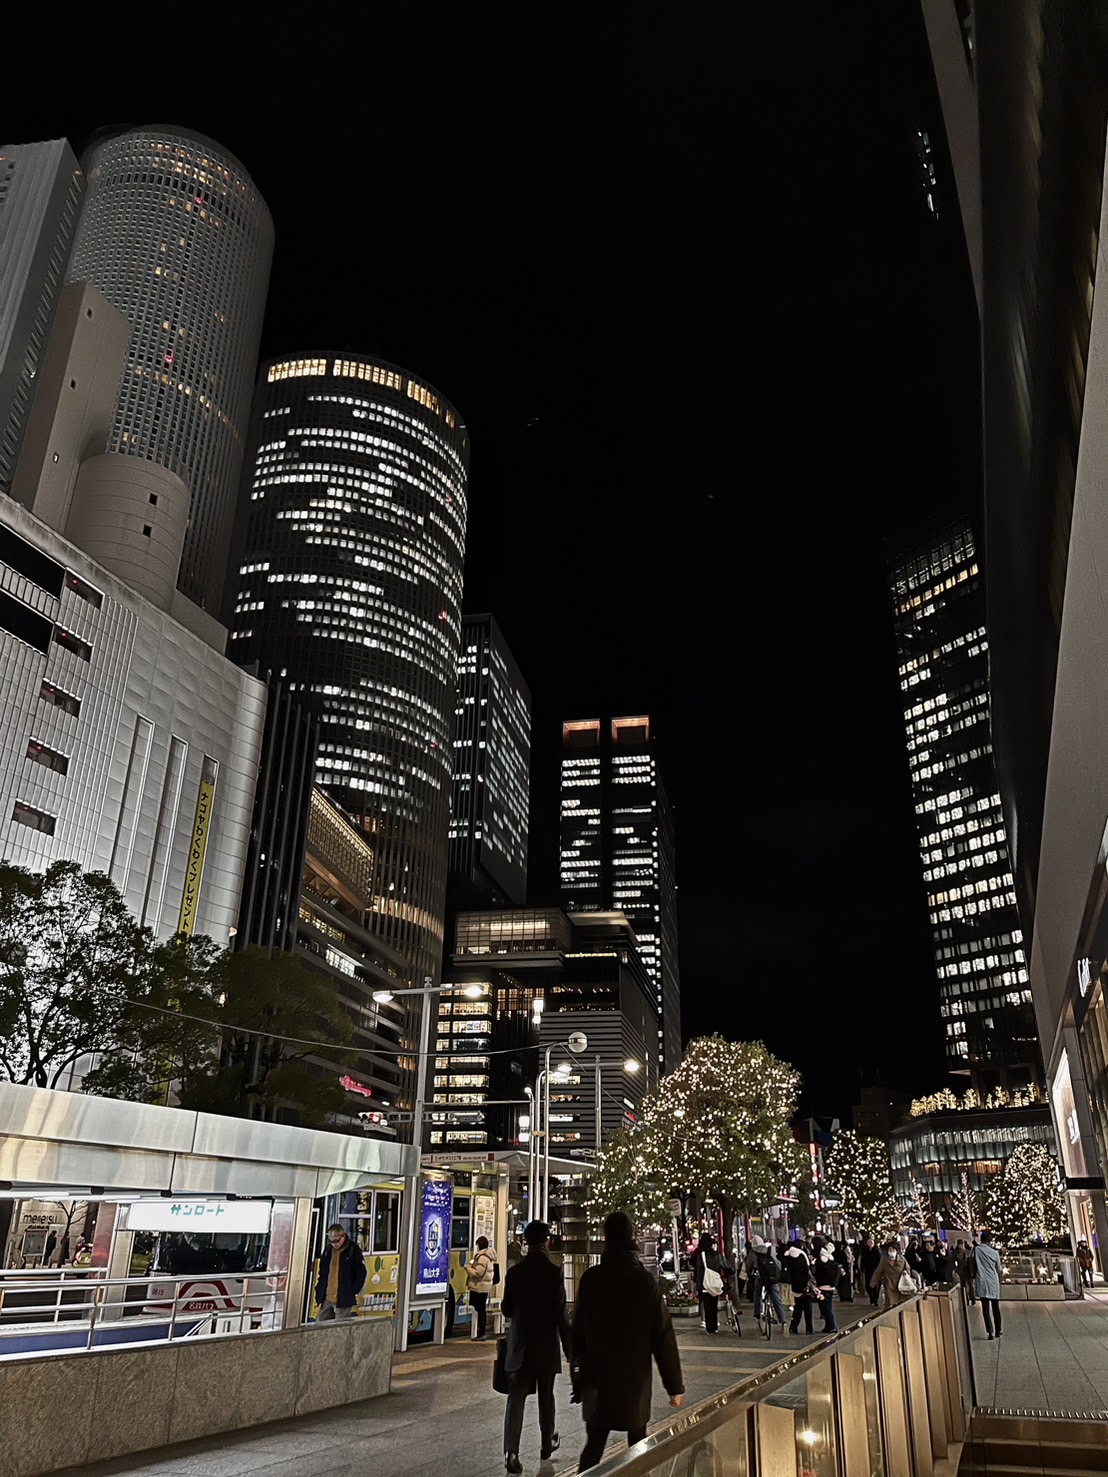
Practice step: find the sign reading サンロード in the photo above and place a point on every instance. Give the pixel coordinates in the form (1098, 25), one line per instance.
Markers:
(433, 1255)
(199, 1215)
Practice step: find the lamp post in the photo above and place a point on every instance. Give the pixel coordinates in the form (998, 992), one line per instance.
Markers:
(410, 1215)
(577, 1043)
(631, 1066)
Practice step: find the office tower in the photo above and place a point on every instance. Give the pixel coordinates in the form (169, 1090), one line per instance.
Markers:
(1026, 111)
(984, 996)
(279, 824)
(350, 588)
(616, 849)
(492, 764)
(175, 235)
(543, 976)
(40, 196)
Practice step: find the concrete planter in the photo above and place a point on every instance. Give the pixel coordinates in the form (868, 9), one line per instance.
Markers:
(117, 1401)
(684, 1310)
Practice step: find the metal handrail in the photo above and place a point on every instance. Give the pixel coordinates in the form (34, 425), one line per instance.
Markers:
(18, 1322)
(683, 1430)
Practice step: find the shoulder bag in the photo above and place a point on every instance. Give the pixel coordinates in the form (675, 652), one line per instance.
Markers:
(713, 1282)
(906, 1283)
(501, 1380)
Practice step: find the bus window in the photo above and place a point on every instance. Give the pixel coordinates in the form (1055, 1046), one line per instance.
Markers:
(460, 1223)
(386, 1221)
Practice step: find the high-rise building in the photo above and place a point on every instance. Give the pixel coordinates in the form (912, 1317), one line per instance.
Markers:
(350, 589)
(984, 995)
(492, 763)
(1025, 101)
(175, 235)
(40, 196)
(616, 850)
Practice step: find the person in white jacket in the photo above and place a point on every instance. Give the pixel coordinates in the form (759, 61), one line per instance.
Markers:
(479, 1283)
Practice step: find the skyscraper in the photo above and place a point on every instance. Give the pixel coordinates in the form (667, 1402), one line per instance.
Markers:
(985, 998)
(176, 236)
(616, 849)
(350, 588)
(40, 195)
(492, 761)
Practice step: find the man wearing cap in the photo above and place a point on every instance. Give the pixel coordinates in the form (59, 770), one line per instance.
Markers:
(535, 1301)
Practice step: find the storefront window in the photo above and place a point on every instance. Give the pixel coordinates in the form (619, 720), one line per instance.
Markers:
(386, 1221)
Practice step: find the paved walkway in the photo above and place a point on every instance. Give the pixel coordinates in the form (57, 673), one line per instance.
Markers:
(443, 1417)
(1052, 1357)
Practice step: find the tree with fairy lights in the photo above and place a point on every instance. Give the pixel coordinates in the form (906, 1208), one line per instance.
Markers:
(856, 1169)
(627, 1180)
(916, 1213)
(963, 1207)
(1027, 1202)
(719, 1125)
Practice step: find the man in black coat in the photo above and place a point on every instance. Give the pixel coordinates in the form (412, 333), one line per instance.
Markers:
(535, 1301)
(341, 1278)
(620, 1319)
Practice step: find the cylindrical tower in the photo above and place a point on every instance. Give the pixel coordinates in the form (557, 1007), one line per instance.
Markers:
(176, 236)
(351, 588)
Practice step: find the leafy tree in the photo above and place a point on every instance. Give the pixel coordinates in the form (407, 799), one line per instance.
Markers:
(71, 960)
(232, 1033)
(718, 1125)
(625, 1180)
(857, 1170)
(1027, 1200)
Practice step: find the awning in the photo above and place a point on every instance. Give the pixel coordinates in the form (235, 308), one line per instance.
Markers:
(58, 1141)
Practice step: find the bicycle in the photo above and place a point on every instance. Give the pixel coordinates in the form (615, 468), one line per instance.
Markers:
(764, 1314)
(732, 1315)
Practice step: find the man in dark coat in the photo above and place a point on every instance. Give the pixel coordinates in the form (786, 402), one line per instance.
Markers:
(620, 1319)
(341, 1276)
(535, 1301)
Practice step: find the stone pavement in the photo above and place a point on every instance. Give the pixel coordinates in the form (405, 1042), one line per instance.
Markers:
(1053, 1357)
(443, 1416)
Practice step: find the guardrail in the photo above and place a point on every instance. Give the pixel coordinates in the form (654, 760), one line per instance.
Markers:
(888, 1397)
(75, 1308)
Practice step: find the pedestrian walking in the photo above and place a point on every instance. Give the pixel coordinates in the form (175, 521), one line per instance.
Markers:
(479, 1284)
(869, 1258)
(986, 1261)
(892, 1267)
(798, 1269)
(711, 1272)
(932, 1262)
(825, 1274)
(341, 1278)
(967, 1272)
(535, 1301)
(844, 1255)
(620, 1322)
(1085, 1262)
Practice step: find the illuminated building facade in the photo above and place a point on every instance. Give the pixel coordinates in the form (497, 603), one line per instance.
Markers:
(175, 235)
(616, 850)
(543, 977)
(492, 771)
(350, 589)
(40, 196)
(985, 998)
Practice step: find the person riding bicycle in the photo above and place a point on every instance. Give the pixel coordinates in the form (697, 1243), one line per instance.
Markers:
(767, 1277)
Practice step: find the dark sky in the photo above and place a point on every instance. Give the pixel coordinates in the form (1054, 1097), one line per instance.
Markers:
(674, 266)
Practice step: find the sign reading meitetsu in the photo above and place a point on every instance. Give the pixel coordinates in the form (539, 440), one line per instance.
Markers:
(199, 1215)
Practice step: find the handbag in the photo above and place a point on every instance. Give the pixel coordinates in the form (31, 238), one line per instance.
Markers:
(906, 1283)
(501, 1380)
(713, 1283)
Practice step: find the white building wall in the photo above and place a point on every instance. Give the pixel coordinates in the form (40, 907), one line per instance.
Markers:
(155, 700)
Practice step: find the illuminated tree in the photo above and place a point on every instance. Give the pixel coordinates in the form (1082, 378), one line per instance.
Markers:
(963, 1207)
(718, 1125)
(916, 1213)
(856, 1169)
(1027, 1201)
(626, 1180)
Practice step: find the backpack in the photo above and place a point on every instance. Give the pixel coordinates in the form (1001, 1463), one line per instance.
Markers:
(969, 1266)
(768, 1270)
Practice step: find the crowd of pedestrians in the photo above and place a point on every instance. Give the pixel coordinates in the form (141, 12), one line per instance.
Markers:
(621, 1323)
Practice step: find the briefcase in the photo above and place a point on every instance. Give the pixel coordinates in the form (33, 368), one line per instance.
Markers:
(500, 1377)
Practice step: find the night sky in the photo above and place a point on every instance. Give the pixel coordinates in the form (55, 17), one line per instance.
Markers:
(675, 267)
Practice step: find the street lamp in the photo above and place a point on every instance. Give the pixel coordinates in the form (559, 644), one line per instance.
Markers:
(630, 1066)
(577, 1043)
(410, 1212)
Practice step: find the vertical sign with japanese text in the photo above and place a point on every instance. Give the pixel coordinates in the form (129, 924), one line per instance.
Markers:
(194, 866)
(433, 1254)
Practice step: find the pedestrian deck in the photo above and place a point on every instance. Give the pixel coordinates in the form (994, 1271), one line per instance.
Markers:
(1052, 1358)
